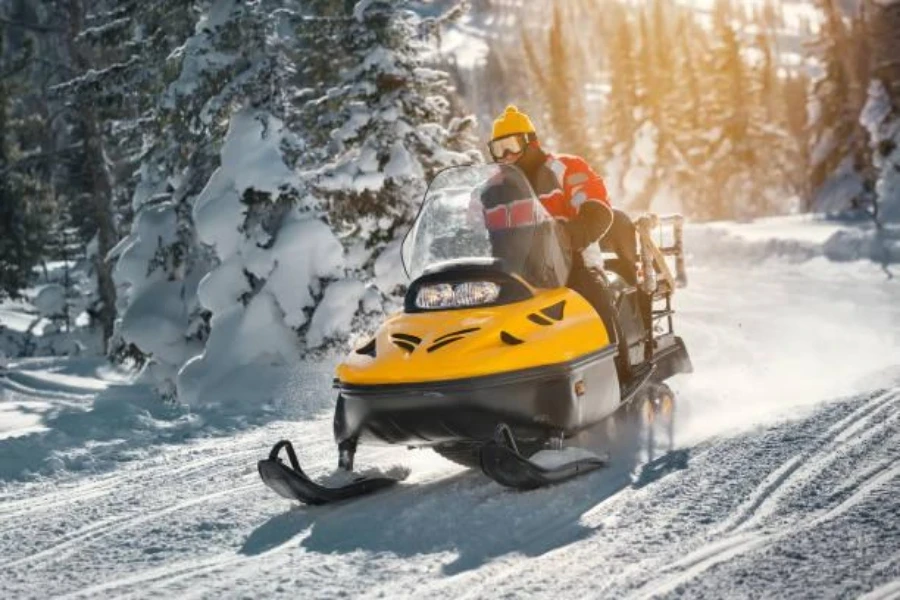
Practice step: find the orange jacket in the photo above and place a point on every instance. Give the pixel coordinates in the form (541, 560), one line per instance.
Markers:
(565, 182)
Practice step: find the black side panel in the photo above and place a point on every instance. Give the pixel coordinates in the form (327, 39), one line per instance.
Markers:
(566, 397)
(672, 360)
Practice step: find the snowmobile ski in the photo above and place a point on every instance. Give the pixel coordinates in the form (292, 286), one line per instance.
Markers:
(501, 461)
(292, 483)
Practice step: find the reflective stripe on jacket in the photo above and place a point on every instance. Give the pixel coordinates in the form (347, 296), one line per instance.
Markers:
(564, 182)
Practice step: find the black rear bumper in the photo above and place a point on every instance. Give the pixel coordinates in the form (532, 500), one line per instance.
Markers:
(533, 402)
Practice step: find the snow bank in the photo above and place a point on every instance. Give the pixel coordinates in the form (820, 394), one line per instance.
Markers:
(793, 239)
(50, 300)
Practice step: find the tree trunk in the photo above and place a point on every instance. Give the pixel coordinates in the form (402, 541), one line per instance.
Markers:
(97, 179)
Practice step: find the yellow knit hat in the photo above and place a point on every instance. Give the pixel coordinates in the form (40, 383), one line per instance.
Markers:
(510, 122)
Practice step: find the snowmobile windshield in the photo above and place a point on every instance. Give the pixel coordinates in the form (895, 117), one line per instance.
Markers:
(479, 212)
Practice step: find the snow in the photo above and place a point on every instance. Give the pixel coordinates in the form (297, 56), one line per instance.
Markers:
(550, 459)
(783, 480)
(251, 158)
(840, 190)
(334, 313)
(240, 364)
(306, 250)
(803, 229)
(50, 300)
(389, 271)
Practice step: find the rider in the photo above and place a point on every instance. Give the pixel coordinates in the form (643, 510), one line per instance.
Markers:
(572, 192)
(567, 187)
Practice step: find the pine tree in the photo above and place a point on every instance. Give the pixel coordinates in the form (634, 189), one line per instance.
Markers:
(223, 65)
(564, 82)
(881, 114)
(22, 217)
(385, 123)
(618, 121)
(837, 151)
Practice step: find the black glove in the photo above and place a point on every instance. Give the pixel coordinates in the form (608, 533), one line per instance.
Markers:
(591, 224)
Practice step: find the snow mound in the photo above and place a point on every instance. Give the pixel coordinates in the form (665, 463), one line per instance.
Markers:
(50, 300)
(792, 239)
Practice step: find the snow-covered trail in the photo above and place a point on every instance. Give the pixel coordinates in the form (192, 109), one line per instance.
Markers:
(785, 483)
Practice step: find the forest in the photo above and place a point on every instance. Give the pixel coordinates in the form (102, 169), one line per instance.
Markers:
(179, 179)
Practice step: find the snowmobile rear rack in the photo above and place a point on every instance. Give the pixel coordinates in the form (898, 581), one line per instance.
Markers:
(292, 483)
(653, 256)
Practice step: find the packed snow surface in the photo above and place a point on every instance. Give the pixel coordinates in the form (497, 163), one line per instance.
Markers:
(783, 480)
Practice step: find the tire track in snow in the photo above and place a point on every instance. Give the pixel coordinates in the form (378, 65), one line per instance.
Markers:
(743, 542)
(75, 541)
(166, 469)
(805, 465)
(740, 539)
(66, 495)
(96, 532)
(649, 567)
(164, 576)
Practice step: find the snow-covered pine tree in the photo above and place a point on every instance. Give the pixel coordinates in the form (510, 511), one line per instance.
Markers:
(687, 124)
(618, 123)
(643, 177)
(384, 128)
(300, 171)
(836, 153)
(881, 114)
(220, 65)
(727, 117)
(773, 153)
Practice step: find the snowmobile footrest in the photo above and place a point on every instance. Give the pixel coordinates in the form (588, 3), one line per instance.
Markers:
(292, 483)
(501, 462)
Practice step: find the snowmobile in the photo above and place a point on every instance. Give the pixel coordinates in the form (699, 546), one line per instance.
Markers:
(493, 358)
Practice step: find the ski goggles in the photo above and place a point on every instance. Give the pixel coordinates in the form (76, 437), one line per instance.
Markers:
(509, 145)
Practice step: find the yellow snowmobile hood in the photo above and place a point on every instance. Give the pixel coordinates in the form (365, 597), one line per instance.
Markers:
(555, 326)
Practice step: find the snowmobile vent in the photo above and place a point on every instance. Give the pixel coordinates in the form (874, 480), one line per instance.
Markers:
(449, 338)
(368, 349)
(405, 341)
(555, 312)
(536, 318)
(508, 338)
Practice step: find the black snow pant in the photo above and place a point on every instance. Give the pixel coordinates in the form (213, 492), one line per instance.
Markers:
(622, 240)
(592, 286)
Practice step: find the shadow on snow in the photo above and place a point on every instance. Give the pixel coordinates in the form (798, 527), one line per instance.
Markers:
(465, 514)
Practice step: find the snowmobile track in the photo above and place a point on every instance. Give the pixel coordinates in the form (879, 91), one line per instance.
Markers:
(814, 460)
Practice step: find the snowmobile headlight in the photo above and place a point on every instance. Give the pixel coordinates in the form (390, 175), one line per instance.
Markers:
(459, 295)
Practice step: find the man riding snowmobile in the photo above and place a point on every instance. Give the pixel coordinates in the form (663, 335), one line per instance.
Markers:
(574, 194)
(508, 346)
